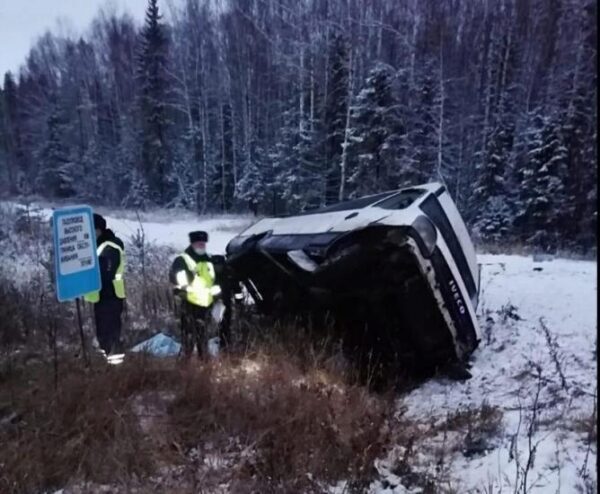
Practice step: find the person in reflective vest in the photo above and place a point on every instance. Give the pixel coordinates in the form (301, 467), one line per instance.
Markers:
(193, 277)
(108, 301)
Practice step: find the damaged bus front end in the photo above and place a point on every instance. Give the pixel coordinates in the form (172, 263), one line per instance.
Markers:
(396, 271)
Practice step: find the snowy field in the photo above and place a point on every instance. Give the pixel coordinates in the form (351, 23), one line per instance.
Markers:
(171, 228)
(536, 366)
(534, 316)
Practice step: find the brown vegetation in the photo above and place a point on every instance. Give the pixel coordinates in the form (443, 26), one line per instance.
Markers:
(285, 429)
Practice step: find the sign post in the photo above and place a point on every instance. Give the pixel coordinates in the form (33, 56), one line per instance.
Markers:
(75, 260)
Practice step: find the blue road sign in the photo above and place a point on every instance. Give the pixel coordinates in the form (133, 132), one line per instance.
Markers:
(75, 259)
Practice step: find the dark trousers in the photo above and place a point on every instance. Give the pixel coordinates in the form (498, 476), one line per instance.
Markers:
(107, 313)
(193, 327)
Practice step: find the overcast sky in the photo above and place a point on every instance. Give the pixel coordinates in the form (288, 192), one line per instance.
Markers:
(23, 21)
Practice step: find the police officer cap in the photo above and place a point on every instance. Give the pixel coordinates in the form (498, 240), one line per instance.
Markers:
(198, 237)
(99, 222)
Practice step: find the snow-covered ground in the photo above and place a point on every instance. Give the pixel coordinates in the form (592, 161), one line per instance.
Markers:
(536, 366)
(539, 324)
(171, 227)
(174, 232)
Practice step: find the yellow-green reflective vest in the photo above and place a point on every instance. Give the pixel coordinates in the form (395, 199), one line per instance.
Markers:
(198, 292)
(118, 282)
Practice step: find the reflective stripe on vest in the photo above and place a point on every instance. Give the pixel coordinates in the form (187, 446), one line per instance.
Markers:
(199, 291)
(118, 282)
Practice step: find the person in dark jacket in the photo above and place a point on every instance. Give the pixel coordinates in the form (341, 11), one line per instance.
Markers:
(193, 277)
(109, 300)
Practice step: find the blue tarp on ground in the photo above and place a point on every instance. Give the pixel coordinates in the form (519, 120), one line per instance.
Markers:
(160, 345)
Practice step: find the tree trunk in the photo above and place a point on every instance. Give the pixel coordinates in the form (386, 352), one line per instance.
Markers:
(344, 160)
(440, 146)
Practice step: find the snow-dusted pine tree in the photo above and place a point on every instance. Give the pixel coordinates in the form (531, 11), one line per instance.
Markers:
(138, 194)
(181, 179)
(493, 215)
(377, 136)
(300, 174)
(490, 198)
(251, 187)
(542, 200)
(92, 171)
(423, 131)
(9, 121)
(152, 77)
(57, 171)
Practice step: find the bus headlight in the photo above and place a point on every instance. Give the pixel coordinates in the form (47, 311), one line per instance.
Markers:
(427, 232)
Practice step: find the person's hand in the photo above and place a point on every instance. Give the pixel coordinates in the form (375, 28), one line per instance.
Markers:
(179, 292)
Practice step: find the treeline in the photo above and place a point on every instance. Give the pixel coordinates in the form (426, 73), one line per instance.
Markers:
(281, 105)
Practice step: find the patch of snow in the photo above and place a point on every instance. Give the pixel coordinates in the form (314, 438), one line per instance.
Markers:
(171, 227)
(531, 320)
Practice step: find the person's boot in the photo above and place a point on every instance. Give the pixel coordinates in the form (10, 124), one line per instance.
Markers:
(117, 348)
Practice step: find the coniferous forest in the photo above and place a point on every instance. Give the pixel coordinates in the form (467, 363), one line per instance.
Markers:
(277, 106)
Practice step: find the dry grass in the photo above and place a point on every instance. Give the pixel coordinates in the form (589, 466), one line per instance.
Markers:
(150, 301)
(286, 430)
(424, 449)
(83, 429)
(291, 425)
(486, 418)
(587, 426)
